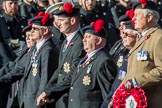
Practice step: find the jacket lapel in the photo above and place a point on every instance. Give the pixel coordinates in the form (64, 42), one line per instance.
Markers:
(64, 55)
(30, 64)
(84, 69)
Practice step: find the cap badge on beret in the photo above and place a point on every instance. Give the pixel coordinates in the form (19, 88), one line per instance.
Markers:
(68, 7)
(61, 7)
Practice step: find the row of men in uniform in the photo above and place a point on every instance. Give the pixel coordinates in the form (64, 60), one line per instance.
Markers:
(12, 22)
(38, 66)
(66, 64)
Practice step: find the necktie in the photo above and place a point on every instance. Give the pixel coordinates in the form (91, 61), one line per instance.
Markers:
(82, 61)
(64, 45)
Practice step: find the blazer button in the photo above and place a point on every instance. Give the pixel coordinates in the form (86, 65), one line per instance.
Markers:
(59, 74)
(71, 100)
(71, 88)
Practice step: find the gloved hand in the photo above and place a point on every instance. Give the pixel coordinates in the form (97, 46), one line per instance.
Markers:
(130, 84)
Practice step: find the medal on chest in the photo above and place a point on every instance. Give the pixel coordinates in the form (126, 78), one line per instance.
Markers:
(120, 60)
(142, 55)
(35, 68)
(87, 78)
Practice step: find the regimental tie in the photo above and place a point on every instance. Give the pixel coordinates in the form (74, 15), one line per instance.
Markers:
(84, 62)
(64, 45)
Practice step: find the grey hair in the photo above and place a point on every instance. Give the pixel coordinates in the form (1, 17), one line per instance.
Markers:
(154, 13)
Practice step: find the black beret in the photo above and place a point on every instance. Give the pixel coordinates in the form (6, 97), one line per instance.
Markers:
(144, 4)
(129, 25)
(27, 28)
(123, 18)
(127, 16)
(96, 28)
(67, 10)
(45, 20)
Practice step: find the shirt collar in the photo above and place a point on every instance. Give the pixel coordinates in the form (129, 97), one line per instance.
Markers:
(39, 45)
(69, 38)
(93, 53)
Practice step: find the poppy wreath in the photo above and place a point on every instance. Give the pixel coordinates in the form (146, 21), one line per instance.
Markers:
(121, 95)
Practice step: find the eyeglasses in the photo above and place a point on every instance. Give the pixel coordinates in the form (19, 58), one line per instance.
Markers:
(36, 29)
(129, 35)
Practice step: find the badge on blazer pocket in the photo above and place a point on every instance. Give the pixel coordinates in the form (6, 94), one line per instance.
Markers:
(86, 80)
(66, 67)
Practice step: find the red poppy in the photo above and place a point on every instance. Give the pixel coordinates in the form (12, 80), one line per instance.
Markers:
(145, 37)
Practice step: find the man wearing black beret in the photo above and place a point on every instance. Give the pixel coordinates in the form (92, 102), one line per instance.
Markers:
(92, 79)
(43, 61)
(71, 50)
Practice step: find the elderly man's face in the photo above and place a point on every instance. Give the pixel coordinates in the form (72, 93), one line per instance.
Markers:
(140, 20)
(37, 32)
(121, 28)
(89, 42)
(29, 40)
(129, 38)
(10, 7)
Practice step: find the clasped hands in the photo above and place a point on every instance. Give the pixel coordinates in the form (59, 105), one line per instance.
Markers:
(43, 99)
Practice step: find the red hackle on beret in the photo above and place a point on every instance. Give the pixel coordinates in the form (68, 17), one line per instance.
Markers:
(130, 13)
(68, 7)
(143, 2)
(40, 14)
(99, 25)
(45, 18)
